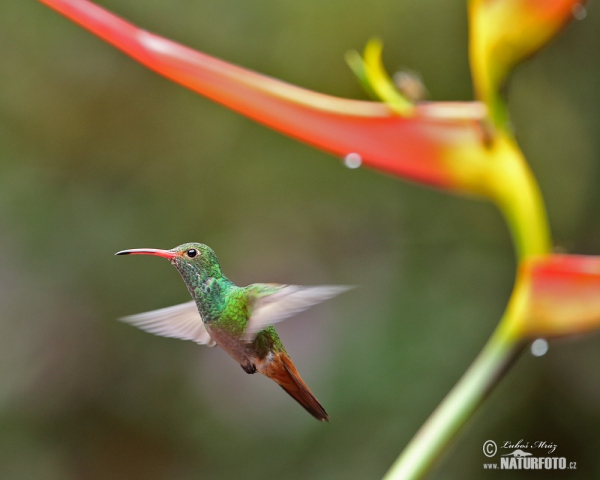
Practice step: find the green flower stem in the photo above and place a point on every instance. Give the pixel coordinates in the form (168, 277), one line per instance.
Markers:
(429, 442)
(508, 181)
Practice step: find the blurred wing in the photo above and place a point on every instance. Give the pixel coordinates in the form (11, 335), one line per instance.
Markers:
(179, 321)
(271, 306)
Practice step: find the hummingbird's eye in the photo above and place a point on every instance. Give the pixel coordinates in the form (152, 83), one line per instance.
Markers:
(192, 252)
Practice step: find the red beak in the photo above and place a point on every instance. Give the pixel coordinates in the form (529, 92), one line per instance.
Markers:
(148, 251)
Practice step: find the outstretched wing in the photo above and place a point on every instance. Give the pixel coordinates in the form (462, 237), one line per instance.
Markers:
(179, 321)
(270, 304)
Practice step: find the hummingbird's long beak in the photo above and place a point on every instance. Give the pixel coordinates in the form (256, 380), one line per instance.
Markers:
(148, 251)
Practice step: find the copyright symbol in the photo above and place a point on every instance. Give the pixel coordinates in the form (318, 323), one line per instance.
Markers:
(490, 448)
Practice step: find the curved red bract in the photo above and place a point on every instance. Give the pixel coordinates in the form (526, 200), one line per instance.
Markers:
(564, 295)
(412, 147)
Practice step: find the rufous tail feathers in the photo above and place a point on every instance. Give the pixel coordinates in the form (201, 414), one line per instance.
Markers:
(282, 370)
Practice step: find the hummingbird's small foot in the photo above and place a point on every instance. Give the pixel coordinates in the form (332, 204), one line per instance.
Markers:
(249, 368)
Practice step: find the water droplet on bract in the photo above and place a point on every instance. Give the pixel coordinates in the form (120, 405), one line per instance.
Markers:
(353, 160)
(539, 347)
(579, 11)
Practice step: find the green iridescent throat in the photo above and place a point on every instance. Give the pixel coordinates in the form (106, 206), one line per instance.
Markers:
(206, 283)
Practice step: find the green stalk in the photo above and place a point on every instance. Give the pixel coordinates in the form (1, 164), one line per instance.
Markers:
(509, 182)
(431, 439)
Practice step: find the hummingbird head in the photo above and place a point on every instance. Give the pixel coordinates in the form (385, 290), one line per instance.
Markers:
(191, 259)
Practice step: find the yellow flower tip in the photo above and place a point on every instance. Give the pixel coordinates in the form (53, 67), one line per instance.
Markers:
(504, 32)
(373, 54)
(376, 81)
(562, 295)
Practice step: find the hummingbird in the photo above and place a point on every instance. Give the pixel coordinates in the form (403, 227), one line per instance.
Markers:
(238, 319)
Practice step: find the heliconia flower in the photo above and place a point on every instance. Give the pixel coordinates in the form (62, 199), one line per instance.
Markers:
(561, 295)
(425, 145)
(504, 32)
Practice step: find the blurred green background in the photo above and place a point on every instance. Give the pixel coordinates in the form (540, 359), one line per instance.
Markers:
(98, 154)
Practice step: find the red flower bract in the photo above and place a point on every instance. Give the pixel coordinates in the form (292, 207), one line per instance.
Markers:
(411, 147)
(564, 295)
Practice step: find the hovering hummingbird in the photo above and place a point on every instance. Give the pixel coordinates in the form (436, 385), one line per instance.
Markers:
(238, 319)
